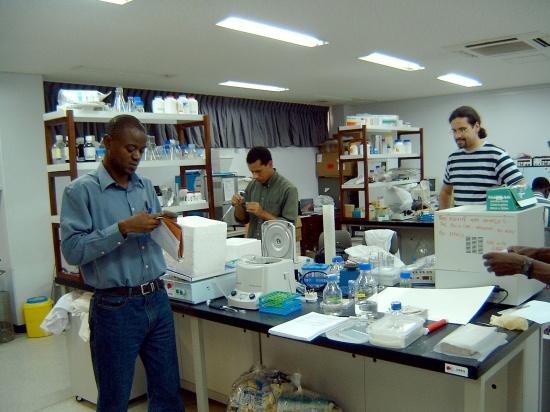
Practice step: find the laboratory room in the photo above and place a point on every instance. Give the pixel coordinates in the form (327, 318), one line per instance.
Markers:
(298, 205)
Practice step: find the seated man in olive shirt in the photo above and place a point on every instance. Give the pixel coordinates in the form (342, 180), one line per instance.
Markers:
(269, 196)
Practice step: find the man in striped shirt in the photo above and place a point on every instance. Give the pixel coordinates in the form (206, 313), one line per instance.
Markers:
(476, 166)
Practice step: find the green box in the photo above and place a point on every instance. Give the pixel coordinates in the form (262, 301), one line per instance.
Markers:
(509, 199)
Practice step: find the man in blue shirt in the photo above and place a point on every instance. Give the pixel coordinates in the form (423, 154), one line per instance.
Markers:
(106, 219)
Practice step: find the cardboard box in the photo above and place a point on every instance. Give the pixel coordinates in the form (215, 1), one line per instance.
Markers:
(509, 199)
(330, 146)
(327, 166)
(348, 210)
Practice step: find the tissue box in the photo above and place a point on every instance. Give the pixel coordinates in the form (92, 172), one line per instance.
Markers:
(204, 247)
(236, 248)
(508, 199)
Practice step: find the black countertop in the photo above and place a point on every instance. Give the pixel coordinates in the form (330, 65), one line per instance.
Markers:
(419, 354)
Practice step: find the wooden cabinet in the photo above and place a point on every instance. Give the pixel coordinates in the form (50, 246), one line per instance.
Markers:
(67, 120)
(355, 190)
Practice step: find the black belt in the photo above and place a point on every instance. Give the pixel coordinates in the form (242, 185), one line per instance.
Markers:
(144, 289)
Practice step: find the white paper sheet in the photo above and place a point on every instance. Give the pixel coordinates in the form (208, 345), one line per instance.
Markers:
(228, 189)
(455, 305)
(534, 310)
(166, 240)
(307, 327)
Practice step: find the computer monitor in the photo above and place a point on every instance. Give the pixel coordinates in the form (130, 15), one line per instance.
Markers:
(306, 206)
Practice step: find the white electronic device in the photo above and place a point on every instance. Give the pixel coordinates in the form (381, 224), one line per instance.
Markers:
(198, 291)
(279, 239)
(463, 234)
(259, 275)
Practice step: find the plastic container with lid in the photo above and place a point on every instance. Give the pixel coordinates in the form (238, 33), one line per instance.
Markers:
(158, 105)
(407, 146)
(170, 105)
(34, 312)
(405, 279)
(395, 330)
(399, 147)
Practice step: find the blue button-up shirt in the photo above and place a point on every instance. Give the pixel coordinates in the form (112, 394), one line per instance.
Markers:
(91, 208)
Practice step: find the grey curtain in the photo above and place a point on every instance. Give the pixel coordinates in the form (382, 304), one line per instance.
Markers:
(235, 123)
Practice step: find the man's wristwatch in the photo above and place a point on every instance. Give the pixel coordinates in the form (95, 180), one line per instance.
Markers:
(528, 267)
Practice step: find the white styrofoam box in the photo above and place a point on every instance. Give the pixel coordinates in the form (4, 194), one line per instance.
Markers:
(236, 248)
(463, 234)
(204, 248)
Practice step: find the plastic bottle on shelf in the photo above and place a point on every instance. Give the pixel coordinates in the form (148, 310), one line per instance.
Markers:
(405, 279)
(193, 105)
(58, 150)
(66, 149)
(100, 151)
(170, 105)
(183, 104)
(407, 146)
(192, 152)
(89, 149)
(140, 107)
(119, 105)
(130, 104)
(158, 105)
(398, 147)
(363, 291)
(80, 149)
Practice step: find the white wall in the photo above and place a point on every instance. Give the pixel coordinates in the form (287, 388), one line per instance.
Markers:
(295, 163)
(515, 119)
(25, 234)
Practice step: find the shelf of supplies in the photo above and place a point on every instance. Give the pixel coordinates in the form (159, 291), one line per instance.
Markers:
(380, 129)
(85, 166)
(381, 184)
(101, 116)
(381, 156)
(187, 207)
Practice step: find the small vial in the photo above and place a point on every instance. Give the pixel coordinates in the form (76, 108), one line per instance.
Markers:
(405, 279)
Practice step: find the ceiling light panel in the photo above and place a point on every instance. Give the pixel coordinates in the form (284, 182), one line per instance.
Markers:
(255, 86)
(390, 61)
(119, 2)
(265, 30)
(460, 80)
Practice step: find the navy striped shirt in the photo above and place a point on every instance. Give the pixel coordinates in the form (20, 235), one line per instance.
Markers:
(471, 173)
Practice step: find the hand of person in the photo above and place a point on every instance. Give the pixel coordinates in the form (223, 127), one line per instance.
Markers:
(237, 200)
(522, 250)
(167, 214)
(504, 263)
(139, 223)
(254, 208)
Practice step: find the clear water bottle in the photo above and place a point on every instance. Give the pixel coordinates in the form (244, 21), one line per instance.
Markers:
(58, 150)
(332, 294)
(363, 291)
(405, 279)
(130, 105)
(100, 151)
(192, 152)
(175, 153)
(89, 149)
(119, 105)
(337, 264)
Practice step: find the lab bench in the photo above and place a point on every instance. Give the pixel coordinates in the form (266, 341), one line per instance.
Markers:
(215, 347)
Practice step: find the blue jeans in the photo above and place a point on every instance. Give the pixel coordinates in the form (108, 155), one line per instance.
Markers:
(123, 327)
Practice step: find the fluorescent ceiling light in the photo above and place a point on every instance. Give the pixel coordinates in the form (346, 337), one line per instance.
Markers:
(460, 80)
(232, 83)
(120, 2)
(260, 29)
(390, 61)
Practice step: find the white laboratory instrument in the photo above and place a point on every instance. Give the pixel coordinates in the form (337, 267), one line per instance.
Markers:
(259, 275)
(463, 234)
(198, 290)
(279, 239)
(400, 202)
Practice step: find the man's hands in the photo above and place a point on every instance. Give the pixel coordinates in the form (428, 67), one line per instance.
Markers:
(237, 200)
(255, 208)
(140, 223)
(525, 251)
(504, 263)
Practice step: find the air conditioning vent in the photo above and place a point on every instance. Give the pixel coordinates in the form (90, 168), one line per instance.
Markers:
(507, 46)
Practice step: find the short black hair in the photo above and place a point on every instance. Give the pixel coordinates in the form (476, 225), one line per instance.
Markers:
(540, 183)
(122, 122)
(260, 153)
(472, 116)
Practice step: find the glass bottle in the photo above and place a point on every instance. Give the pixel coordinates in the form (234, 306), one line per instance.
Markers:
(89, 149)
(58, 150)
(405, 279)
(395, 313)
(100, 151)
(119, 105)
(80, 149)
(332, 294)
(363, 291)
(66, 149)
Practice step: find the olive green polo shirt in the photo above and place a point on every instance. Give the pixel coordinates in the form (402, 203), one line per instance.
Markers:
(277, 196)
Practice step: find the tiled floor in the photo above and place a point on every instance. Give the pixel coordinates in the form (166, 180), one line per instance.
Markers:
(34, 376)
